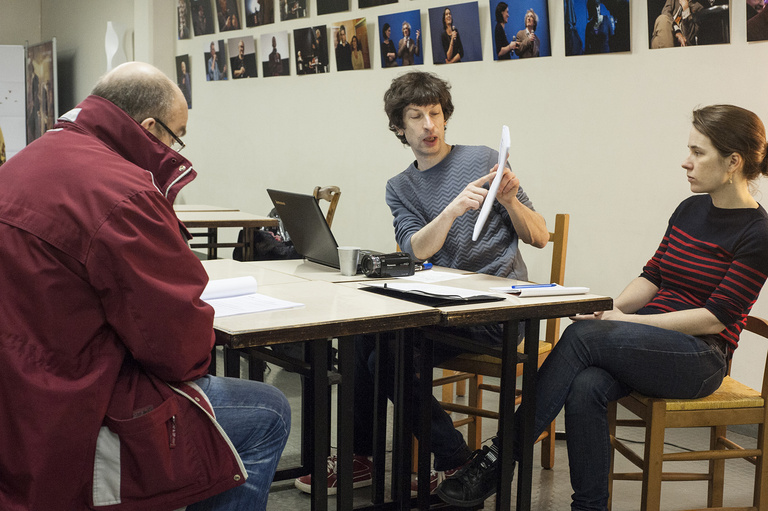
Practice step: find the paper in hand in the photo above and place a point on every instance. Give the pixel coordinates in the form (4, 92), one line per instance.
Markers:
(491, 197)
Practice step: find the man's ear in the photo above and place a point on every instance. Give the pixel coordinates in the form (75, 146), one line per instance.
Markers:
(148, 123)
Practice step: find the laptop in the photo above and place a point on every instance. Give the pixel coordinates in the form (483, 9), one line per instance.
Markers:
(305, 223)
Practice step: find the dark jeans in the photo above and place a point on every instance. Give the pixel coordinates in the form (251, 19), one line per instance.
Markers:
(448, 444)
(597, 362)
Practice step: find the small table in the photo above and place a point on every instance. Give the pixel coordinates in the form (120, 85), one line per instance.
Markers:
(329, 311)
(213, 220)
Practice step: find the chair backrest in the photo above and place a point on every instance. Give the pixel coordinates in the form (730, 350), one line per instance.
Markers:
(559, 240)
(332, 195)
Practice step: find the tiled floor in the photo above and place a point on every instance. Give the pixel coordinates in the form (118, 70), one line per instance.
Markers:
(551, 488)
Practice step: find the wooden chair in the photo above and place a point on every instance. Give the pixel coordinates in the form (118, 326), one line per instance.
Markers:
(472, 367)
(733, 403)
(332, 194)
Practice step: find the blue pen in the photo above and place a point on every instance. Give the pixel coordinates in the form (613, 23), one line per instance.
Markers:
(529, 286)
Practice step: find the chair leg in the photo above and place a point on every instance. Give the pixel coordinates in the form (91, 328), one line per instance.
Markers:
(448, 387)
(612, 407)
(654, 452)
(716, 469)
(548, 448)
(760, 500)
(475, 428)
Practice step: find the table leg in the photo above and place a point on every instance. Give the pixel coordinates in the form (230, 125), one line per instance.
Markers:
(425, 420)
(319, 406)
(213, 240)
(231, 362)
(248, 252)
(528, 409)
(403, 430)
(506, 414)
(379, 425)
(345, 422)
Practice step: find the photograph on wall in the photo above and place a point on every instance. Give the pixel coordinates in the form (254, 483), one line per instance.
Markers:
(13, 105)
(311, 50)
(243, 61)
(400, 39)
(202, 17)
(184, 19)
(592, 26)
(275, 54)
(259, 12)
(228, 14)
(216, 61)
(757, 21)
(521, 29)
(455, 33)
(292, 9)
(183, 79)
(374, 3)
(350, 41)
(671, 24)
(331, 6)
(41, 89)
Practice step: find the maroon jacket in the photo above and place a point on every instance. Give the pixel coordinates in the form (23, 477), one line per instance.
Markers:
(99, 308)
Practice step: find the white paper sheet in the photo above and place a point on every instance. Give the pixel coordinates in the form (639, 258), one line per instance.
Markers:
(491, 197)
(237, 295)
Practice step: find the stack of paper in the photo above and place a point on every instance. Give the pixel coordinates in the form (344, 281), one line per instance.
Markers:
(229, 297)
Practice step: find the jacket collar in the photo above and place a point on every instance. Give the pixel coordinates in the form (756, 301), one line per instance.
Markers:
(116, 129)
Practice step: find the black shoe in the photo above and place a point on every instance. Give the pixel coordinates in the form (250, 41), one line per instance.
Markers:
(474, 483)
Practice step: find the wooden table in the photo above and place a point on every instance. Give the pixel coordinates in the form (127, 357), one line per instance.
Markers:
(201, 207)
(511, 313)
(212, 221)
(329, 311)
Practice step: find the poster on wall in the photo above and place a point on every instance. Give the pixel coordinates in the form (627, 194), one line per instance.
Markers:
(331, 6)
(275, 54)
(595, 26)
(521, 29)
(228, 14)
(292, 9)
(216, 61)
(42, 102)
(202, 17)
(374, 3)
(455, 33)
(702, 22)
(311, 47)
(400, 39)
(183, 79)
(351, 45)
(243, 60)
(184, 19)
(757, 21)
(259, 12)
(12, 102)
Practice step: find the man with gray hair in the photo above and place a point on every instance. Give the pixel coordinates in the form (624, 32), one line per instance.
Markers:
(105, 343)
(407, 48)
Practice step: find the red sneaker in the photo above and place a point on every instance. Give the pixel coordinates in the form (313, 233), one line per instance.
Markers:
(362, 475)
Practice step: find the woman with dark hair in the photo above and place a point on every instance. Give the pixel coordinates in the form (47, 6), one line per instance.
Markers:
(454, 50)
(357, 54)
(503, 46)
(388, 53)
(673, 329)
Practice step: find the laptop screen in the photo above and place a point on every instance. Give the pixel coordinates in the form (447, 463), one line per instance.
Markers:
(306, 225)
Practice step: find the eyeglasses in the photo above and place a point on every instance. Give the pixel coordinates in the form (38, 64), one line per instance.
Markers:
(177, 145)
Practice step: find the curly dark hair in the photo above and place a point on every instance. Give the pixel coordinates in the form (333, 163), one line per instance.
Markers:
(415, 88)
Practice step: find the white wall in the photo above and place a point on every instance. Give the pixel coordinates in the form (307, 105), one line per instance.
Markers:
(599, 137)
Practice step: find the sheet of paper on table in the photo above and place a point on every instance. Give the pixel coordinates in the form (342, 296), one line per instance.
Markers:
(238, 295)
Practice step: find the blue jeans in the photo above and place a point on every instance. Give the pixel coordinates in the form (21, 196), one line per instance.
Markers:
(597, 362)
(448, 444)
(257, 419)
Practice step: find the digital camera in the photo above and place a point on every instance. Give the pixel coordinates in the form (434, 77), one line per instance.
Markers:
(398, 264)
